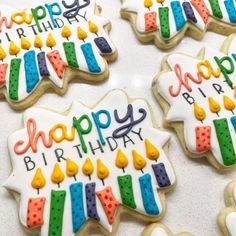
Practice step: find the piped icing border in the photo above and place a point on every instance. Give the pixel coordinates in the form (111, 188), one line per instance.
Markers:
(50, 44)
(198, 98)
(89, 165)
(166, 22)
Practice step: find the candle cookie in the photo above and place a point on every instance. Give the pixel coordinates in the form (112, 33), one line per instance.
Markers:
(165, 22)
(227, 216)
(48, 45)
(198, 99)
(87, 166)
(160, 230)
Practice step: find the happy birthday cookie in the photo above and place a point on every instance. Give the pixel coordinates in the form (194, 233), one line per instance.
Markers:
(86, 166)
(198, 99)
(227, 216)
(160, 230)
(166, 22)
(50, 44)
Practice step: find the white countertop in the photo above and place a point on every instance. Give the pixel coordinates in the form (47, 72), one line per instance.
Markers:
(198, 197)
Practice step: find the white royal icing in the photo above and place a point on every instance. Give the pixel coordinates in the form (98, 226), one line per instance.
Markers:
(20, 179)
(158, 232)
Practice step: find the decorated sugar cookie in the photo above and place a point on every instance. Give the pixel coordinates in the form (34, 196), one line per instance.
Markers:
(165, 22)
(160, 230)
(198, 98)
(227, 216)
(50, 44)
(86, 166)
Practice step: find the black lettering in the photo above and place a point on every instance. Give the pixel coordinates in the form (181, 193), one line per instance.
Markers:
(112, 145)
(138, 133)
(93, 149)
(29, 164)
(48, 26)
(127, 139)
(59, 154)
(188, 98)
(218, 88)
(78, 150)
(20, 32)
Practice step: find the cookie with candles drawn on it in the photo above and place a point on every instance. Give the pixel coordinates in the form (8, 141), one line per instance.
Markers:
(48, 45)
(198, 97)
(166, 22)
(158, 229)
(86, 166)
(227, 216)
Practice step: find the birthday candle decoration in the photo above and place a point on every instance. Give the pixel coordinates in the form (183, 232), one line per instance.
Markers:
(233, 121)
(88, 52)
(42, 64)
(161, 175)
(216, 8)
(138, 161)
(38, 42)
(78, 217)
(56, 212)
(152, 152)
(231, 10)
(57, 175)
(3, 54)
(109, 203)
(72, 168)
(50, 42)
(3, 72)
(102, 171)
(201, 9)
(225, 141)
(35, 212)
(13, 49)
(199, 112)
(148, 3)
(121, 160)
(234, 91)
(203, 138)
(25, 44)
(66, 32)
(88, 168)
(101, 42)
(178, 15)
(91, 201)
(149, 202)
(188, 10)
(229, 104)
(214, 106)
(150, 17)
(164, 21)
(39, 180)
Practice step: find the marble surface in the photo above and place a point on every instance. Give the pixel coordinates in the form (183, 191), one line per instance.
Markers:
(198, 197)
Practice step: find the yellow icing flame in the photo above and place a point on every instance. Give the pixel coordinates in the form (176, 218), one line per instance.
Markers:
(25, 44)
(121, 159)
(214, 106)
(148, 3)
(199, 112)
(102, 171)
(92, 27)
(138, 161)
(152, 152)
(57, 174)
(87, 167)
(82, 34)
(229, 104)
(71, 168)
(38, 181)
(13, 49)
(160, 1)
(65, 33)
(51, 42)
(3, 54)
(38, 42)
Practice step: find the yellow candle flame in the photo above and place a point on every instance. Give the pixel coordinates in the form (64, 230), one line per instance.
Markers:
(65, 33)
(51, 42)
(38, 42)
(3, 54)
(229, 104)
(72, 168)
(160, 1)
(57, 174)
(82, 35)
(147, 3)
(92, 27)
(102, 171)
(121, 160)
(152, 152)
(138, 161)
(25, 44)
(13, 49)
(214, 106)
(199, 112)
(87, 167)
(38, 181)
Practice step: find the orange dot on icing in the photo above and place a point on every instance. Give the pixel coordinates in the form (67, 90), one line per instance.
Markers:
(102, 171)
(87, 167)
(152, 152)
(81, 34)
(199, 112)
(38, 181)
(138, 161)
(229, 104)
(13, 49)
(121, 160)
(57, 174)
(71, 168)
